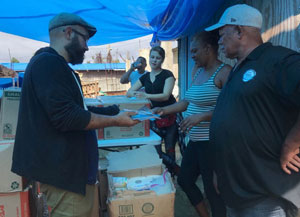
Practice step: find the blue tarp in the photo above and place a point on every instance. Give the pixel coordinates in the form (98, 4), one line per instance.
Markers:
(6, 82)
(116, 20)
(20, 67)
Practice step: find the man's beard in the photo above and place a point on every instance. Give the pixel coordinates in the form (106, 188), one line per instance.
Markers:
(75, 51)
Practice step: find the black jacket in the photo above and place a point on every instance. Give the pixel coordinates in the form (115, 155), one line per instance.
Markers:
(50, 138)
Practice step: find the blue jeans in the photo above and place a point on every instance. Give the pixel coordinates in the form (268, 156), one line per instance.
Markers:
(271, 207)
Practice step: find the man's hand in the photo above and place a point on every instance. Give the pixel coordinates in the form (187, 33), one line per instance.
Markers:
(187, 123)
(135, 65)
(290, 160)
(123, 119)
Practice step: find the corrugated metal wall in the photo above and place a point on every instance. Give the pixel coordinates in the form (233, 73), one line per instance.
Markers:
(280, 26)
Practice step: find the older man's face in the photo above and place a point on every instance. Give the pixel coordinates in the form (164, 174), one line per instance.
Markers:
(228, 41)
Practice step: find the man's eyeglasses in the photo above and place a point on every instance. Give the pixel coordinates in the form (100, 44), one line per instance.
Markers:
(85, 37)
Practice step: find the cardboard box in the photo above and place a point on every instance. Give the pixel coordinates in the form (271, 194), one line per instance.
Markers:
(9, 112)
(9, 182)
(14, 204)
(141, 204)
(103, 183)
(139, 162)
(146, 171)
(139, 130)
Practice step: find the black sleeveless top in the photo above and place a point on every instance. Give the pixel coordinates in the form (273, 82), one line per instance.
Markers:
(157, 87)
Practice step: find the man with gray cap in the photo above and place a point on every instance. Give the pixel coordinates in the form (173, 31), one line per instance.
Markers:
(55, 142)
(255, 129)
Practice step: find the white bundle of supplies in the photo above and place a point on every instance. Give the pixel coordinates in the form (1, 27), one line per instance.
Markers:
(160, 184)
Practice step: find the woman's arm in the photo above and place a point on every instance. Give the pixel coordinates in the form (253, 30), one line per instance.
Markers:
(222, 76)
(132, 91)
(125, 77)
(171, 109)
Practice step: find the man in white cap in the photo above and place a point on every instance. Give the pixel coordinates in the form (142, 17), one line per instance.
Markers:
(255, 129)
(55, 142)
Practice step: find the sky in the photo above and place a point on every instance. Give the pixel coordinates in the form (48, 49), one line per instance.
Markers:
(23, 48)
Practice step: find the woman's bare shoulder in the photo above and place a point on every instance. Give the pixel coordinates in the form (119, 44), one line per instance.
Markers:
(222, 76)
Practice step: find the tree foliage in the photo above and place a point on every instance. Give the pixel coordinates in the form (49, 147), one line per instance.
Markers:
(14, 60)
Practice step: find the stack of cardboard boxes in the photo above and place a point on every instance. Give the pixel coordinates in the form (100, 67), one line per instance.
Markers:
(14, 199)
(136, 198)
(141, 129)
(130, 203)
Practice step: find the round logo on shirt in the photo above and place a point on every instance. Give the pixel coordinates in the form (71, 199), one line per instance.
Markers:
(249, 75)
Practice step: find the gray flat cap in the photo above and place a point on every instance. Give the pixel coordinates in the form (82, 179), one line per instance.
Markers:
(64, 19)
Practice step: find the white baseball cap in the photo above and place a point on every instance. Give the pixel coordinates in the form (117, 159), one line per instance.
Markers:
(239, 15)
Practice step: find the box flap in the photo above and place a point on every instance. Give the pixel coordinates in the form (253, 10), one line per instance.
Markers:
(143, 157)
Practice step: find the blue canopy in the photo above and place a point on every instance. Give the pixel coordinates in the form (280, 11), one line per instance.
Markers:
(116, 20)
(20, 67)
(6, 82)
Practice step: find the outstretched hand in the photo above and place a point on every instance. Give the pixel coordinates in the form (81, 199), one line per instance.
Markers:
(290, 161)
(124, 119)
(158, 111)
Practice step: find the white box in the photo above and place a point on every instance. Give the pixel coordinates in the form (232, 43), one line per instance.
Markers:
(9, 112)
(9, 182)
